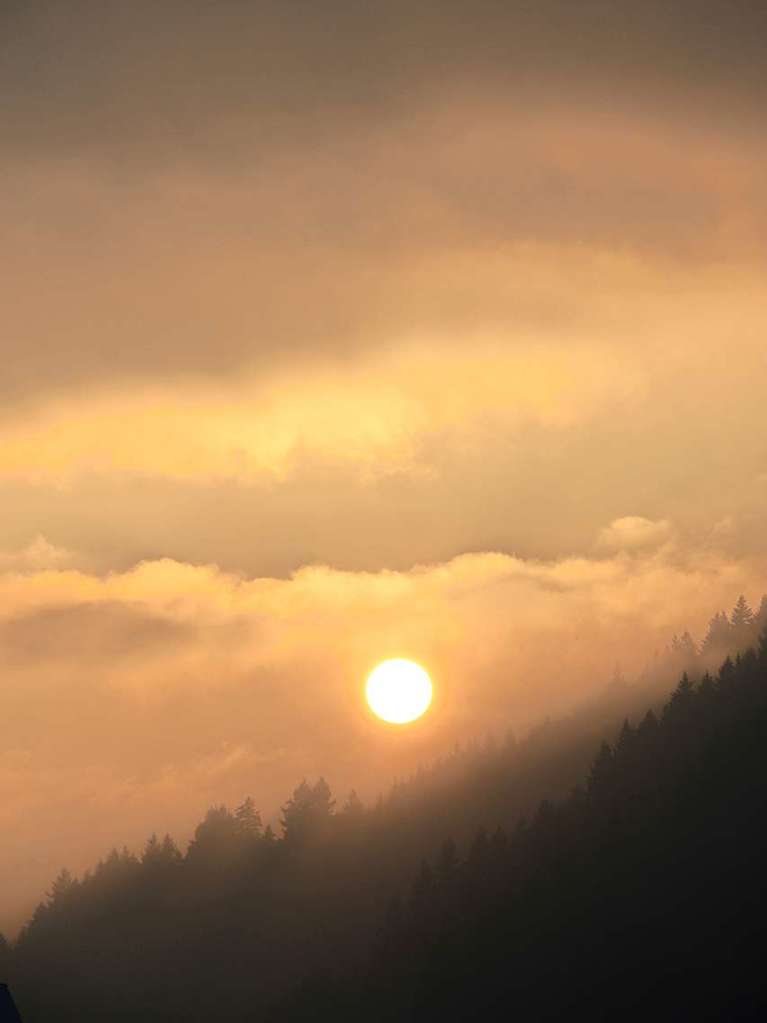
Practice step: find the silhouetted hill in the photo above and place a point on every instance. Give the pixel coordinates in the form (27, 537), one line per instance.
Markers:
(642, 895)
(640, 892)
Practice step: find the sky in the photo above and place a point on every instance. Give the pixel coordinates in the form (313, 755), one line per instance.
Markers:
(333, 332)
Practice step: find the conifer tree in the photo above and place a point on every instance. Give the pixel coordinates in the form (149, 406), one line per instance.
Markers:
(248, 819)
(742, 615)
(151, 850)
(306, 814)
(62, 888)
(718, 640)
(353, 806)
(626, 738)
(648, 725)
(217, 841)
(601, 775)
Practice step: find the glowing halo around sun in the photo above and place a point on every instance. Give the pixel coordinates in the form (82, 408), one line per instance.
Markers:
(398, 691)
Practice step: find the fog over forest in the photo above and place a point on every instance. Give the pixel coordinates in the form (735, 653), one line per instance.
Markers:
(337, 333)
(465, 887)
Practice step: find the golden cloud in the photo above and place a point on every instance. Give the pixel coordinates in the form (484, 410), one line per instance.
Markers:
(373, 415)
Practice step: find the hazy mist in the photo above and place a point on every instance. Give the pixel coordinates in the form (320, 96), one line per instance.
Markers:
(332, 334)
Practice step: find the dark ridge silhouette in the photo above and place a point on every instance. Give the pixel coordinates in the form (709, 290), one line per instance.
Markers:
(8, 1011)
(529, 878)
(642, 895)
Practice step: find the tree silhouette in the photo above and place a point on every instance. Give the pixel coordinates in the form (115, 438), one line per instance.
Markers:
(248, 819)
(742, 620)
(538, 877)
(306, 815)
(353, 806)
(718, 638)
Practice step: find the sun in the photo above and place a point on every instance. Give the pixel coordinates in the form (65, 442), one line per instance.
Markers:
(398, 691)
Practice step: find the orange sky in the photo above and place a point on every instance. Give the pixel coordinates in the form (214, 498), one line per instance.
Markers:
(333, 334)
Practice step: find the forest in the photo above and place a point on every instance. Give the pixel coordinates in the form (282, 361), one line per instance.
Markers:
(609, 863)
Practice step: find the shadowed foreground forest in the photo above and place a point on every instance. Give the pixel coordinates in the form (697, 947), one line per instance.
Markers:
(611, 864)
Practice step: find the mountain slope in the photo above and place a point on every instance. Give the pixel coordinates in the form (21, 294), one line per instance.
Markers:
(642, 895)
(623, 897)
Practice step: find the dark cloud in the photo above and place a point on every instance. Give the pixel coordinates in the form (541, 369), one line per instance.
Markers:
(87, 633)
(194, 188)
(191, 76)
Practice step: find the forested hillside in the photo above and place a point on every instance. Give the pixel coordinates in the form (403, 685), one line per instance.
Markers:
(559, 874)
(642, 895)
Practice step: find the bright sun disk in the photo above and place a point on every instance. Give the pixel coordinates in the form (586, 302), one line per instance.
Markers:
(398, 691)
